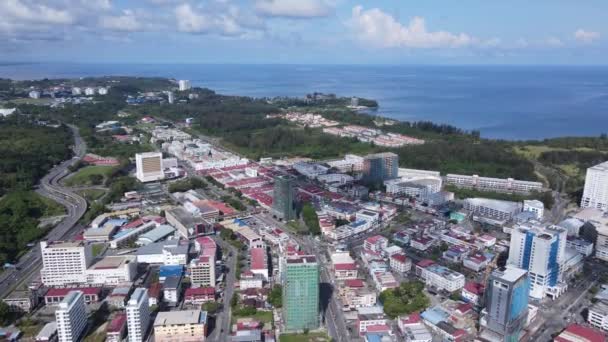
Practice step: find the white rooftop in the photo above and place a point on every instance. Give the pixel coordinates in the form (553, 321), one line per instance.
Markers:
(179, 317)
(510, 273)
(600, 167)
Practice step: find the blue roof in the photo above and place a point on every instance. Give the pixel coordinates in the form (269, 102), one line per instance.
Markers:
(171, 270)
(357, 223)
(122, 233)
(240, 222)
(373, 337)
(116, 222)
(435, 315)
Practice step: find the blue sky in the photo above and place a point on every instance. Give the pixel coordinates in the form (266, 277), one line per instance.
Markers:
(305, 31)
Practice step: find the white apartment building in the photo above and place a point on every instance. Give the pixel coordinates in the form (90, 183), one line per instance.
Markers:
(251, 281)
(184, 85)
(400, 263)
(88, 91)
(65, 263)
(535, 206)
(490, 208)
(112, 270)
(149, 166)
(595, 192)
(598, 315)
(580, 245)
(442, 278)
(71, 317)
(138, 315)
(344, 266)
(202, 271)
(182, 326)
(540, 251)
(493, 184)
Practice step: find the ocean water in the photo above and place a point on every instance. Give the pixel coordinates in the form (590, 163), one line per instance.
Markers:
(504, 102)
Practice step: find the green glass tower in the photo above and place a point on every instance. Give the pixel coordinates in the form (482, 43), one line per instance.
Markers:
(301, 293)
(283, 198)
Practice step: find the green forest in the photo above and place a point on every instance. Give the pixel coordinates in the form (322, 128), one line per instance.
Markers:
(29, 151)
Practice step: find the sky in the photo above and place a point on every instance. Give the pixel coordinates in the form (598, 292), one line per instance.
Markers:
(305, 31)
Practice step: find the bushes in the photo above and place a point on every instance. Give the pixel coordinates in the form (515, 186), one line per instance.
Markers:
(405, 299)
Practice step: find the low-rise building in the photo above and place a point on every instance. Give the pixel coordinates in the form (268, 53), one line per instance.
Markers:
(57, 295)
(442, 278)
(48, 333)
(21, 301)
(199, 295)
(490, 210)
(112, 270)
(344, 266)
(535, 206)
(202, 271)
(475, 261)
(259, 262)
(412, 329)
(384, 281)
(170, 252)
(580, 245)
(598, 315)
(249, 280)
(579, 333)
(117, 328)
(375, 244)
(400, 263)
(472, 293)
(183, 326)
(421, 243)
(368, 317)
(172, 290)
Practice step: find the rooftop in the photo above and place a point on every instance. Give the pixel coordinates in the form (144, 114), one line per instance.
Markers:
(59, 292)
(111, 262)
(172, 282)
(302, 259)
(509, 273)
(579, 333)
(117, 324)
(505, 206)
(258, 259)
(180, 317)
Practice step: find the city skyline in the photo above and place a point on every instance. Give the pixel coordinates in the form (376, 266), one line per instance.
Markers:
(303, 32)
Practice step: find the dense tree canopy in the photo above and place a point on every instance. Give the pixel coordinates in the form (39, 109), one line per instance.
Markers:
(405, 299)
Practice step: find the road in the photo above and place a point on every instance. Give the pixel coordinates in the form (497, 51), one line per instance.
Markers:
(334, 316)
(75, 206)
(222, 320)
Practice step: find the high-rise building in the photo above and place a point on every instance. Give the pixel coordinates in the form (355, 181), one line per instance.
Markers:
(149, 166)
(380, 167)
(184, 85)
(170, 97)
(138, 315)
(202, 271)
(65, 263)
(301, 293)
(595, 192)
(540, 251)
(71, 317)
(506, 305)
(283, 199)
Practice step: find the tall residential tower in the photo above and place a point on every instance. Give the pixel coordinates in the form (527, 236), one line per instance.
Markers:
(149, 166)
(506, 307)
(595, 193)
(380, 167)
(301, 293)
(283, 198)
(138, 315)
(71, 317)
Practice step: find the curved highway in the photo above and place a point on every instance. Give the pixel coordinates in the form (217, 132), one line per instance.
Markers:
(75, 206)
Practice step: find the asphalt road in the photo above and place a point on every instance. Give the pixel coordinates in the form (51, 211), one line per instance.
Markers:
(75, 205)
(222, 319)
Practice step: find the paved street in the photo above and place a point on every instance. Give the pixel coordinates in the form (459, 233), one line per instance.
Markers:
(222, 321)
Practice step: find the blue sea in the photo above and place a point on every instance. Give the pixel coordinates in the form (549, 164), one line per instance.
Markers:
(504, 102)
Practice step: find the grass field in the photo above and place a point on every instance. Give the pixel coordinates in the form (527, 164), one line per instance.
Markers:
(262, 316)
(310, 337)
(533, 151)
(83, 176)
(92, 194)
(43, 101)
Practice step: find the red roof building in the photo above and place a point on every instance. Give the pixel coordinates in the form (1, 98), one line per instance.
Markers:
(55, 296)
(117, 328)
(259, 262)
(354, 283)
(199, 295)
(579, 333)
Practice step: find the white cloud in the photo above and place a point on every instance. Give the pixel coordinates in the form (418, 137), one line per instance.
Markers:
(229, 21)
(376, 27)
(554, 42)
(126, 22)
(293, 8)
(586, 36)
(17, 10)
